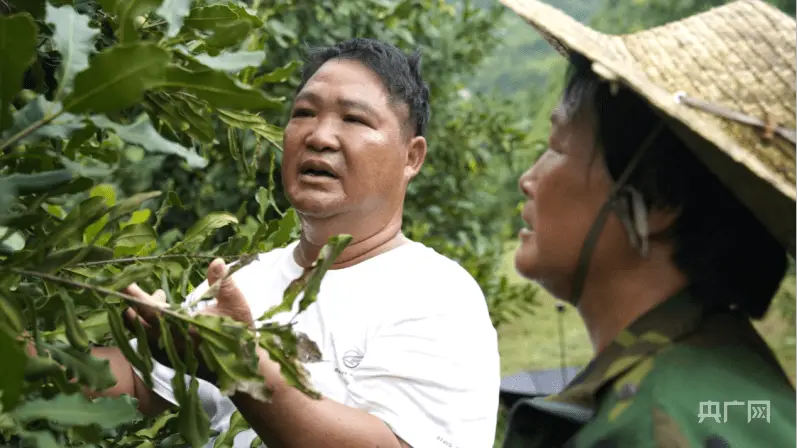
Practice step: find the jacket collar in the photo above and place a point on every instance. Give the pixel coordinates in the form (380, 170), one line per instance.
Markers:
(653, 331)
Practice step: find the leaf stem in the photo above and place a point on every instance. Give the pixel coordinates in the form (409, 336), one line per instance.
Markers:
(154, 258)
(29, 130)
(53, 278)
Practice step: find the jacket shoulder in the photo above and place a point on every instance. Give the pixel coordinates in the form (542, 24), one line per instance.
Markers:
(692, 396)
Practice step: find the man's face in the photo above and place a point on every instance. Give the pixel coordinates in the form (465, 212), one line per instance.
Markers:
(346, 150)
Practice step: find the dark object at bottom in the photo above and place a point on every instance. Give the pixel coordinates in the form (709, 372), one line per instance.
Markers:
(534, 383)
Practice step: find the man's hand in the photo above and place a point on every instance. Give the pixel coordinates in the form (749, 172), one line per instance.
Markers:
(230, 302)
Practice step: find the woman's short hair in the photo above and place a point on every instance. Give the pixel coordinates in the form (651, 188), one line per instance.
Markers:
(727, 255)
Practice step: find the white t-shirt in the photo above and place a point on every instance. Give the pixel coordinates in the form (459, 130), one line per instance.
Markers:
(404, 336)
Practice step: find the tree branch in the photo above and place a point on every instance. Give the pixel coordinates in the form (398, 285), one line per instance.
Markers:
(155, 258)
(29, 130)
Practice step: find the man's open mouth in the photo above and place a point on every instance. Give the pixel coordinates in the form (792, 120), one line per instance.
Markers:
(319, 173)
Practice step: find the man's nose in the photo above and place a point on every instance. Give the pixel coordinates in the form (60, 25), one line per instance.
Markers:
(324, 137)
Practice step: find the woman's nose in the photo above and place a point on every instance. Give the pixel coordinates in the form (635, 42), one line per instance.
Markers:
(525, 183)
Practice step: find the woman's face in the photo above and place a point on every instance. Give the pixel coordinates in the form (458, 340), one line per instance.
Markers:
(565, 190)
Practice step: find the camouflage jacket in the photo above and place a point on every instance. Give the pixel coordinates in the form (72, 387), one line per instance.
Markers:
(680, 376)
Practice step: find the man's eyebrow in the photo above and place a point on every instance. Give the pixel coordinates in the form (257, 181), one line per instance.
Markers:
(354, 104)
(311, 97)
(346, 103)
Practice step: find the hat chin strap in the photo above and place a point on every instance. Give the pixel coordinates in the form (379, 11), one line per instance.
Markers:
(635, 220)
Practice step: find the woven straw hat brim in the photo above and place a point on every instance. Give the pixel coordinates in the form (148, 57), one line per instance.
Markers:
(741, 57)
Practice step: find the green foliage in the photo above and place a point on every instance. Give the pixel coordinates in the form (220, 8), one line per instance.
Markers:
(86, 89)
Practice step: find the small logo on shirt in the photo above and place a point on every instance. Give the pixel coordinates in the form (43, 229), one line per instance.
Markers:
(352, 358)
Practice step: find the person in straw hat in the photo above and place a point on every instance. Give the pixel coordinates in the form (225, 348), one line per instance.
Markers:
(664, 210)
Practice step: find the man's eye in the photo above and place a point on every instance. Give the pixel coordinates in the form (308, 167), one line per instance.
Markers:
(302, 113)
(354, 119)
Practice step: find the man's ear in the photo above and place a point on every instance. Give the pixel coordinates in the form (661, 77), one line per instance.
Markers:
(416, 155)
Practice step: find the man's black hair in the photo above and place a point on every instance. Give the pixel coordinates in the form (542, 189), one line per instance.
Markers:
(400, 73)
(728, 256)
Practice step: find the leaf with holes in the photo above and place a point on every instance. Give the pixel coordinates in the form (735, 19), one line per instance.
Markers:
(92, 372)
(255, 123)
(76, 410)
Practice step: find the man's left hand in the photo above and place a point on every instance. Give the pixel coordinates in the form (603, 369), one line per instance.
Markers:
(230, 302)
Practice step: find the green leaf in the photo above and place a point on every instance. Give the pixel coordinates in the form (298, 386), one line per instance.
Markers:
(229, 34)
(209, 223)
(10, 316)
(34, 7)
(192, 419)
(234, 373)
(117, 78)
(136, 239)
(93, 372)
(13, 367)
(74, 331)
(131, 204)
(128, 11)
(122, 341)
(219, 89)
(152, 431)
(174, 11)
(40, 182)
(237, 425)
(279, 75)
(310, 281)
(95, 326)
(143, 134)
(62, 258)
(76, 410)
(107, 192)
(81, 216)
(183, 115)
(255, 123)
(40, 439)
(11, 243)
(231, 62)
(38, 110)
(74, 39)
(286, 226)
(210, 18)
(17, 53)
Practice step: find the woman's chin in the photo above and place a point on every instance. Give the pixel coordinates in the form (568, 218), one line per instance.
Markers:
(526, 260)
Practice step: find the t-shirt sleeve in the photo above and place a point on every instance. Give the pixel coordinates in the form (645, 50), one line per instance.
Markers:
(432, 378)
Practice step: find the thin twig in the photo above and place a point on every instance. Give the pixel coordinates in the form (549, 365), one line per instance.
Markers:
(53, 278)
(29, 130)
(155, 258)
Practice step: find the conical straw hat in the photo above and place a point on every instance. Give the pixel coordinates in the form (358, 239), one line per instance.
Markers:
(726, 80)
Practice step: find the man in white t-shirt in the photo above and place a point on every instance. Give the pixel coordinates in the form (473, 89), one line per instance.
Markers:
(409, 356)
